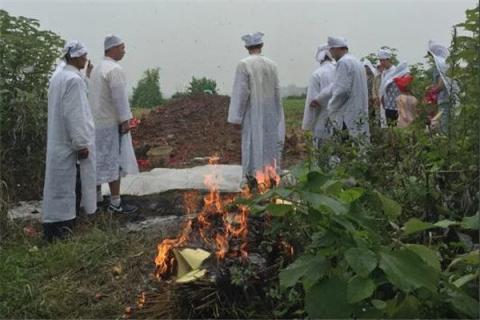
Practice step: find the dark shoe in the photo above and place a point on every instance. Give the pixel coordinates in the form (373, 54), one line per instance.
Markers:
(123, 208)
(58, 230)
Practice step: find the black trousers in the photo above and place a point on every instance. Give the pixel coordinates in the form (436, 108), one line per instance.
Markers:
(392, 117)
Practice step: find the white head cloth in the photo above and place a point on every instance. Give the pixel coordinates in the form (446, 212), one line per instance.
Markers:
(438, 50)
(75, 49)
(440, 54)
(323, 52)
(111, 41)
(384, 54)
(337, 42)
(253, 39)
(368, 63)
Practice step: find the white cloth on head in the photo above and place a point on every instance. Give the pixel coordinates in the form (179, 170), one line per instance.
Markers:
(70, 129)
(337, 42)
(253, 39)
(349, 102)
(384, 54)
(321, 54)
(320, 89)
(75, 49)
(111, 41)
(256, 104)
(109, 101)
(367, 63)
(440, 54)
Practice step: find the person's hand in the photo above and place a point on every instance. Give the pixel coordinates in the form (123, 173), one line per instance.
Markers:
(89, 68)
(237, 126)
(125, 127)
(83, 153)
(315, 104)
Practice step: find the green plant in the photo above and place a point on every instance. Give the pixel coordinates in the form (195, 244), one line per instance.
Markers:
(356, 261)
(202, 85)
(147, 93)
(27, 54)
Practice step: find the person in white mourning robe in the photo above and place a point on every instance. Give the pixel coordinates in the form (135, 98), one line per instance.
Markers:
(445, 88)
(388, 90)
(70, 139)
(111, 111)
(348, 107)
(256, 106)
(319, 92)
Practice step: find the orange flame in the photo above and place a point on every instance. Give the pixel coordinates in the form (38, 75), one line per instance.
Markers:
(141, 300)
(235, 224)
(164, 259)
(222, 245)
(267, 178)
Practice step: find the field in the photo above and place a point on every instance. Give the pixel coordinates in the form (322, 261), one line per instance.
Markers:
(96, 274)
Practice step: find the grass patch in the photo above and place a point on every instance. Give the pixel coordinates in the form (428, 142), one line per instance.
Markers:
(293, 113)
(94, 275)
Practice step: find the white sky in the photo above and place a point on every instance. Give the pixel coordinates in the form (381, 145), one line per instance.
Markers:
(202, 38)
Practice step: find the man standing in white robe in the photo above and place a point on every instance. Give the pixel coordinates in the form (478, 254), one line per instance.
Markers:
(256, 106)
(388, 90)
(315, 116)
(111, 111)
(70, 138)
(348, 107)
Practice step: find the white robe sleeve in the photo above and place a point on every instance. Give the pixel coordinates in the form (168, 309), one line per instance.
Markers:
(310, 114)
(240, 95)
(75, 113)
(118, 86)
(325, 95)
(281, 117)
(341, 90)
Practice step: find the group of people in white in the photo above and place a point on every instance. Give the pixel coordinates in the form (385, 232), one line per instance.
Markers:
(88, 116)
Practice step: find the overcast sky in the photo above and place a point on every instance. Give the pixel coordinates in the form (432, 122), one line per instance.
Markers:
(202, 38)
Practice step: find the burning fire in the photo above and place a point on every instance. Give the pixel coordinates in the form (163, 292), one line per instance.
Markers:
(234, 222)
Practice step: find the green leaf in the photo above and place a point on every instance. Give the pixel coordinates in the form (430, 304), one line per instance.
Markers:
(390, 207)
(318, 201)
(460, 282)
(445, 224)
(359, 288)
(407, 309)
(379, 304)
(429, 256)
(361, 260)
(472, 258)
(471, 223)
(315, 180)
(328, 299)
(350, 195)
(463, 303)
(279, 210)
(407, 271)
(415, 225)
(304, 265)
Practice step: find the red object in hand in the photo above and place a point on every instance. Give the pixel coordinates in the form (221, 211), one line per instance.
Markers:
(431, 97)
(133, 123)
(143, 164)
(403, 82)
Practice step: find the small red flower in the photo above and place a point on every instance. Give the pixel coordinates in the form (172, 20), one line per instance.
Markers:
(143, 164)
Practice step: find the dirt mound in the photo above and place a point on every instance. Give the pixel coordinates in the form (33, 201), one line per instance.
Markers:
(182, 130)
